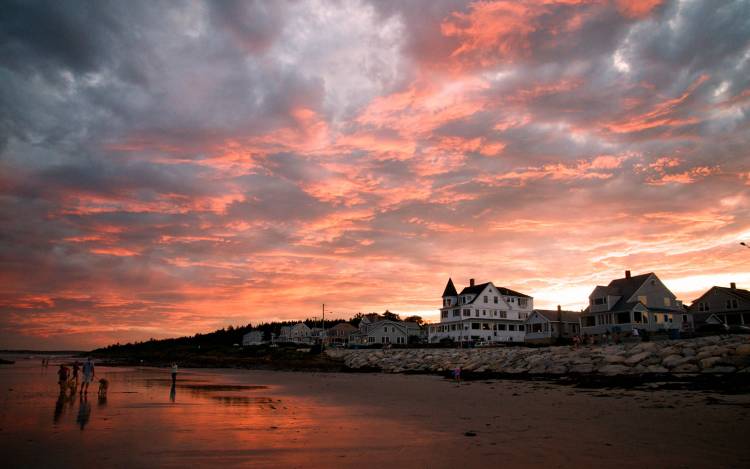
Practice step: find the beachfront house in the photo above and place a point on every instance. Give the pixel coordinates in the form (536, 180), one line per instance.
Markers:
(387, 331)
(252, 338)
(640, 301)
(300, 333)
(730, 306)
(340, 333)
(285, 334)
(547, 326)
(481, 312)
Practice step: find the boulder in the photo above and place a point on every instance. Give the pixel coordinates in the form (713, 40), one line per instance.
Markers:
(612, 370)
(709, 362)
(671, 361)
(685, 368)
(656, 369)
(720, 369)
(583, 368)
(637, 358)
(614, 359)
(743, 350)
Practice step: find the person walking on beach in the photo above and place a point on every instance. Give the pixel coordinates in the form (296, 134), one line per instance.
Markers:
(62, 375)
(88, 375)
(174, 373)
(457, 375)
(76, 369)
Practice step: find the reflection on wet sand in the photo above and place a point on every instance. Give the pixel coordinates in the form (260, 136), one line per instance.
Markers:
(84, 411)
(172, 392)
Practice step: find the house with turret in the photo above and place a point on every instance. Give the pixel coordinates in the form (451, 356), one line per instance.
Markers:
(481, 312)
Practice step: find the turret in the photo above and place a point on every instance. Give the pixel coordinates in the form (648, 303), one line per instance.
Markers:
(450, 295)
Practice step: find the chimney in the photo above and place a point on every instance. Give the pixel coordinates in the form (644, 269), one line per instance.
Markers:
(733, 286)
(627, 274)
(471, 282)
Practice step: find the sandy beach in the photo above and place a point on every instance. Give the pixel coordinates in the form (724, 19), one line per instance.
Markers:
(285, 419)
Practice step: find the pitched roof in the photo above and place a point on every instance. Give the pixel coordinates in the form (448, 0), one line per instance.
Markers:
(742, 293)
(477, 289)
(450, 289)
(551, 315)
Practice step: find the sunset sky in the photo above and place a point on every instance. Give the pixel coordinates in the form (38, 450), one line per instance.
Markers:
(169, 168)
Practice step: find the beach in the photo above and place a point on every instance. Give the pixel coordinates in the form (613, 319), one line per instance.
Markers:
(244, 418)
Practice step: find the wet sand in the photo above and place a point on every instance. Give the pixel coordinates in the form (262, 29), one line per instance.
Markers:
(284, 419)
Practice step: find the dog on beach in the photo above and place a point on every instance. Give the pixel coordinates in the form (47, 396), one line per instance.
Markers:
(103, 387)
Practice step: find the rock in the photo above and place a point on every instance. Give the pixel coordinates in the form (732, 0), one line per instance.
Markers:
(685, 368)
(614, 359)
(667, 351)
(612, 370)
(720, 369)
(583, 368)
(656, 369)
(671, 361)
(743, 350)
(709, 362)
(557, 370)
(637, 358)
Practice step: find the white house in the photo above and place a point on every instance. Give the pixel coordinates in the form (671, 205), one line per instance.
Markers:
(482, 312)
(285, 334)
(253, 338)
(544, 326)
(300, 333)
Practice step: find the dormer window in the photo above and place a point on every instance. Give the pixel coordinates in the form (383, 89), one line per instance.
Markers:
(703, 306)
(732, 303)
(600, 301)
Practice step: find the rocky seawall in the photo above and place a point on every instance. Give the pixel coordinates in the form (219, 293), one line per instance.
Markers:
(721, 355)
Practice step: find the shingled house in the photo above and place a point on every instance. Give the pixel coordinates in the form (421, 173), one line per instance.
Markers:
(640, 301)
(547, 325)
(730, 306)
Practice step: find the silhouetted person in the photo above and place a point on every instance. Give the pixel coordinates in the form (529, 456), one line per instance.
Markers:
(76, 369)
(174, 373)
(62, 378)
(88, 375)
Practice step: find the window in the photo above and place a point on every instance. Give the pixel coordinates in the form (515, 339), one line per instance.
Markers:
(476, 313)
(371, 339)
(637, 317)
(684, 318)
(456, 312)
(467, 312)
(453, 327)
(444, 314)
(511, 327)
(385, 328)
(495, 300)
(495, 313)
(537, 327)
(666, 318)
(484, 312)
(503, 314)
(475, 325)
(501, 327)
(485, 299)
(589, 321)
(521, 327)
(732, 303)
(386, 340)
(667, 301)
(523, 302)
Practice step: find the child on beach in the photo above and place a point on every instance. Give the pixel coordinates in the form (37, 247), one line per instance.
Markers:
(457, 375)
(174, 373)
